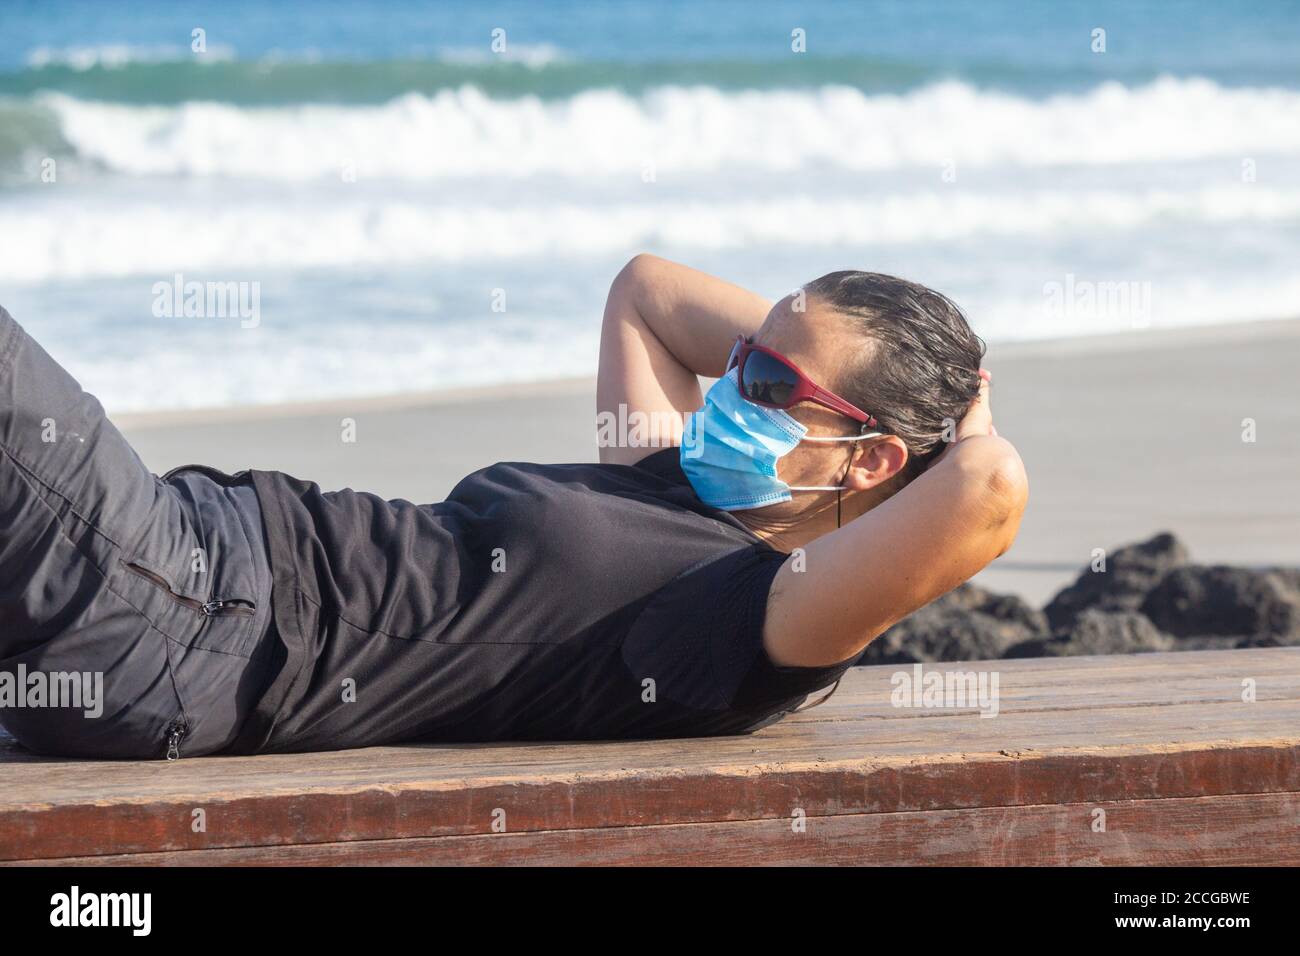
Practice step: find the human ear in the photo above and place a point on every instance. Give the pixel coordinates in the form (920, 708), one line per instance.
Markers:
(876, 463)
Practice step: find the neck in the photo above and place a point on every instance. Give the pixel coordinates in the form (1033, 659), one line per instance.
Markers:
(785, 532)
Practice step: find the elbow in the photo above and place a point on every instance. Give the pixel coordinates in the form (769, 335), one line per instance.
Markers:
(627, 289)
(1006, 489)
(641, 261)
(1006, 481)
(998, 486)
(636, 272)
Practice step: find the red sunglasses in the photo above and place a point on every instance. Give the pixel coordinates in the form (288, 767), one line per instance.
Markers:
(769, 378)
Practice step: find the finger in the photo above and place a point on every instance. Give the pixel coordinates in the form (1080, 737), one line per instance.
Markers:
(978, 417)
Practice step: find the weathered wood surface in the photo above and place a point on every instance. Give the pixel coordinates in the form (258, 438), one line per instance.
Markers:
(1185, 770)
(1239, 830)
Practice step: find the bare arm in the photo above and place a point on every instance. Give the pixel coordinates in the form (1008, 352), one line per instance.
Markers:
(914, 547)
(666, 324)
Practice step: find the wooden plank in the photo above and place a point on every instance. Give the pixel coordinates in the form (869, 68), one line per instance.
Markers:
(1246, 830)
(320, 816)
(1137, 727)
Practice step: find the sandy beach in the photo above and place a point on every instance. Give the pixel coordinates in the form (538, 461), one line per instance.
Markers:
(1122, 436)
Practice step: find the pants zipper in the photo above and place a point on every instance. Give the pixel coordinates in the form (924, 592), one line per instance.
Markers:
(178, 727)
(176, 732)
(213, 608)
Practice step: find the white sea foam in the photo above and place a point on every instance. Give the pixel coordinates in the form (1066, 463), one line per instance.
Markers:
(464, 133)
(84, 237)
(534, 55)
(117, 55)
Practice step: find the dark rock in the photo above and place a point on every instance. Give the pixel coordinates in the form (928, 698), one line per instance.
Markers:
(1131, 572)
(1099, 632)
(1148, 599)
(1287, 578)
(1196, 601)
(966, 624)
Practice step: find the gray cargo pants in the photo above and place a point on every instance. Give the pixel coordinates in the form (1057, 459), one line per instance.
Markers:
(134, 610)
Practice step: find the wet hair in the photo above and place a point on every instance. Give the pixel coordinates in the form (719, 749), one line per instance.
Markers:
(922, 369)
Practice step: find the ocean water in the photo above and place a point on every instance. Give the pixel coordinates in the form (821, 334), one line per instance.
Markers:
(401, 206)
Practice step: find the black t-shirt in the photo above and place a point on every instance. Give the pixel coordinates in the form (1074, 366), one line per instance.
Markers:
(580, 601)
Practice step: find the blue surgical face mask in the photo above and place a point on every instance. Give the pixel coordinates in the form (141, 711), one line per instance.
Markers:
(730, 449)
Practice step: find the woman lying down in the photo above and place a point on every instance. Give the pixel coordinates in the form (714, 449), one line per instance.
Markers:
(842, 472)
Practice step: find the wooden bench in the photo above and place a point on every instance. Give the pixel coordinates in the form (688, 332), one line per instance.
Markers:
(1146, 759)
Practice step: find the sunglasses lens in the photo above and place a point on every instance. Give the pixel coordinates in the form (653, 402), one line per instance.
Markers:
(768, 380)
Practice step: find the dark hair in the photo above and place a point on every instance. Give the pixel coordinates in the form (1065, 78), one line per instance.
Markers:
(924, 366)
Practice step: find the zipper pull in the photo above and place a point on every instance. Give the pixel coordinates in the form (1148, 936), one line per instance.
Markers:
(175, 734)
(212, 607)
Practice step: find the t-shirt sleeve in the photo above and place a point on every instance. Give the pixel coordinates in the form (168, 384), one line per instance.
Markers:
(700, 639)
